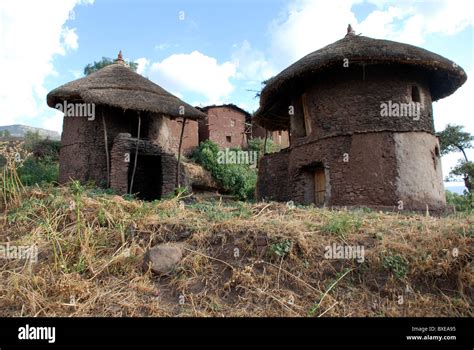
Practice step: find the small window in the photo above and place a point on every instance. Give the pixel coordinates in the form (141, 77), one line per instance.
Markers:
(437, 151)
(228, 139)
(415, 94)
(232, 122)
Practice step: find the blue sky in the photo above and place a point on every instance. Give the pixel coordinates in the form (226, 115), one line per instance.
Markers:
(209, 51)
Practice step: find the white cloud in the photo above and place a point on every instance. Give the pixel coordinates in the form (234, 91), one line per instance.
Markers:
(31, 33)
(54, 122)
(143, 64)
(70, 38)
(195, 73)
(307, 25)
(251, 63)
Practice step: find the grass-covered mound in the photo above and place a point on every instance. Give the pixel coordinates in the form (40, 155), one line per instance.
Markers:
(264, 259)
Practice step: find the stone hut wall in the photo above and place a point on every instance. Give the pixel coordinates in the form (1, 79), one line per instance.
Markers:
(223, 126)
(420, 179)
(353, 176)
(272, 183)
(166, 132)
(123, 158)
(82, 154)
(368, 159)
(350, 102)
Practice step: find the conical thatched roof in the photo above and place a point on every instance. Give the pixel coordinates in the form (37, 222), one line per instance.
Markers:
(118, 86)
(444, 76)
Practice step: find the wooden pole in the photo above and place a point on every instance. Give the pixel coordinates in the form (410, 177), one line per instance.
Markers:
(136, 153)
(179, 152)
(106, 149)
(265, 142)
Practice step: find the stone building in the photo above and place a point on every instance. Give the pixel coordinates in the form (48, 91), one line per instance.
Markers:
(231, 126)
(225, 125)
(359, 112)
(123, 131)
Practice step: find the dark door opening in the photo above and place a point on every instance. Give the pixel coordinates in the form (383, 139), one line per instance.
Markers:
(147, 183)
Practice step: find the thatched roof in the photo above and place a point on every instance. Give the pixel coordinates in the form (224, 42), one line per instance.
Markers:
(444, 76)
(118, 86)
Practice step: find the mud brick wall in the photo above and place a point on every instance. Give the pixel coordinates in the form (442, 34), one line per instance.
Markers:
(389, 158)
(272, 183)
(166, 133)
(217, 127)
(420, 178)
(349, 101)
(190, 136)
(77, 143)
(120, 170)
(82, 154)
(367, 178)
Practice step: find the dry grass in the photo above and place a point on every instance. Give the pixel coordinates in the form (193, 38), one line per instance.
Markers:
(264, 259)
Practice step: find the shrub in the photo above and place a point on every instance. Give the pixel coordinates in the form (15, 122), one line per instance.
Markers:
(39, 171)
(238, 179)
(257, 143)
(464, 202)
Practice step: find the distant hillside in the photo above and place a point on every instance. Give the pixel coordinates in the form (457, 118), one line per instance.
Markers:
(20, 131)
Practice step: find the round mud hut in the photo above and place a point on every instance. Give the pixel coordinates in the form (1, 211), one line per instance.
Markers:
(359, 112)
(122, 131)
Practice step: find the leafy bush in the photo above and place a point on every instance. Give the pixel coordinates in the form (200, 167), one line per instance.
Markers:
(257, 143)
(464, 202)
(39, 171)
(42, 164)
(239, 179)
(47, 149)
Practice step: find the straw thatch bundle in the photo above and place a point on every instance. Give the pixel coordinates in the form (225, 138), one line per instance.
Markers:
(118, 86)
(444, 76)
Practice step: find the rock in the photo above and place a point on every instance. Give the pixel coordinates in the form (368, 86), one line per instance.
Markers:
(163, 258)
(199, 178)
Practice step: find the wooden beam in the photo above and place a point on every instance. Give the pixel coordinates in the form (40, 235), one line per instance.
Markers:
(106, 148)
(307, 116)
(179, 152)
(136, 153)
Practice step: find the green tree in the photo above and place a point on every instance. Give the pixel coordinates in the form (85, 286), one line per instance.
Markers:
(32, 138)
(454, 139)
(105, 61)
(6, 133)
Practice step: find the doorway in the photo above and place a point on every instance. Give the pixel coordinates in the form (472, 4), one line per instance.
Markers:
(319, 186)
(315, 184)
(147, 182)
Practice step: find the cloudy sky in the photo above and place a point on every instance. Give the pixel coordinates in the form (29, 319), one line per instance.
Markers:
(211, 51)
